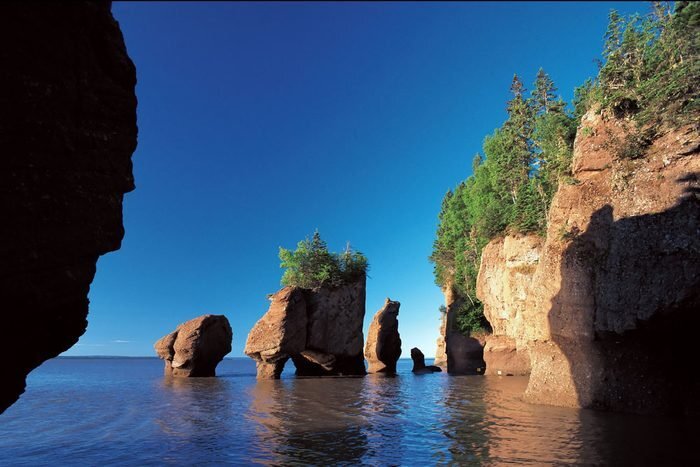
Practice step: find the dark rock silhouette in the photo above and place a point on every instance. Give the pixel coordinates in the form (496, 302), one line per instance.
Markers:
(419, 366)
(320, 330)
(196, 347)
(383, 347)
(465, 355)
(67, 132)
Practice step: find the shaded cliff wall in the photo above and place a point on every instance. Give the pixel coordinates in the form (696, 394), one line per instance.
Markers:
(615, 296)
(447, 324)
(67, 132)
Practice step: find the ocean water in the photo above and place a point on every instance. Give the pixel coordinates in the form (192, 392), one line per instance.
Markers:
(122, 411)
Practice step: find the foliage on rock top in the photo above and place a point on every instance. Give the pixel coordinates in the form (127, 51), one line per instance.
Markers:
(312, 266)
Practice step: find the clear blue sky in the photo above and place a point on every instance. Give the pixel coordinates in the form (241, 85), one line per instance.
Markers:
(259, 123)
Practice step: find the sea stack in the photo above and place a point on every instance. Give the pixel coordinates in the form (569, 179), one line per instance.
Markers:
(319, 329)
(419, 367)
(196, 347)
(383, 347)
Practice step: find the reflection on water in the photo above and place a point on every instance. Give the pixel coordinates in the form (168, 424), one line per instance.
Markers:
(122, 411)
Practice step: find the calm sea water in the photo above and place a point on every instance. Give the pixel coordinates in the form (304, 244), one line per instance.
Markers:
(122, 411)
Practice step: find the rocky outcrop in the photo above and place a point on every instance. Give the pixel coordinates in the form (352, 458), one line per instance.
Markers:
(320, 330)
(447, 324)
(441, 350)
(465, 355)
(612, 305)
(457, 353)
(419, 366)
(503, 357)
(503, 286)
(196, 346)
(67, 132)
(383, 347)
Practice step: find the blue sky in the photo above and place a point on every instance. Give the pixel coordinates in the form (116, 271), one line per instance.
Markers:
(261, 122)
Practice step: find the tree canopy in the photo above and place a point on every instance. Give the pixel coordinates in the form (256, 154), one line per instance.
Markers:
(312, 266)
(650, 72)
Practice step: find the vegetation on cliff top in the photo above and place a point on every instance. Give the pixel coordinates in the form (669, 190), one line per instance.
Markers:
(312, 266)
(509, 191)
(650, 73)
(650, 70)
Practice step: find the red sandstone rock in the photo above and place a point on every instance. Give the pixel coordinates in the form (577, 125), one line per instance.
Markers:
(383, 347)
(611, 307)
(196, 347)
(321, 330)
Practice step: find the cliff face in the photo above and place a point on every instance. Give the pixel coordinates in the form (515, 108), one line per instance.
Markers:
(504, 283)
(447, 324)
(321, 330)
(67, 131)
(614, 296)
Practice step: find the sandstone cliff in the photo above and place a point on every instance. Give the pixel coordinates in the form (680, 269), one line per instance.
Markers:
(608, 309)
(67, 131)
(447, 324)
(320, 330)
(503, 286)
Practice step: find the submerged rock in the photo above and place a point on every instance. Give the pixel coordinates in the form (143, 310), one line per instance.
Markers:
(383, 347)
(67, 132)
(419, 366)
(196, 347)
(320, 330)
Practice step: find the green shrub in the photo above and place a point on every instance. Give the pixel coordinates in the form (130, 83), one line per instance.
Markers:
(312, 266)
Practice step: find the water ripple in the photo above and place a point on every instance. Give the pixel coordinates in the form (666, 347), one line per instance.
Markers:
(123, 412)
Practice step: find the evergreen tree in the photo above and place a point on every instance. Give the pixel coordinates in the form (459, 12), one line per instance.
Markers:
(544, 95)
(311, 265)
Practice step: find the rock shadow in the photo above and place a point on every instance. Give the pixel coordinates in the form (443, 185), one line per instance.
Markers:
(626, 315)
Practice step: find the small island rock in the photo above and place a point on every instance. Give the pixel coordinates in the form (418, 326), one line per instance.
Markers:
(419, 367)
(196, 347)
(319, 329)
(383, 347)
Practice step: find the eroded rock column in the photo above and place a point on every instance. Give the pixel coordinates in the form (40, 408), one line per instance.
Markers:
(383, 347)
(196, 347)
